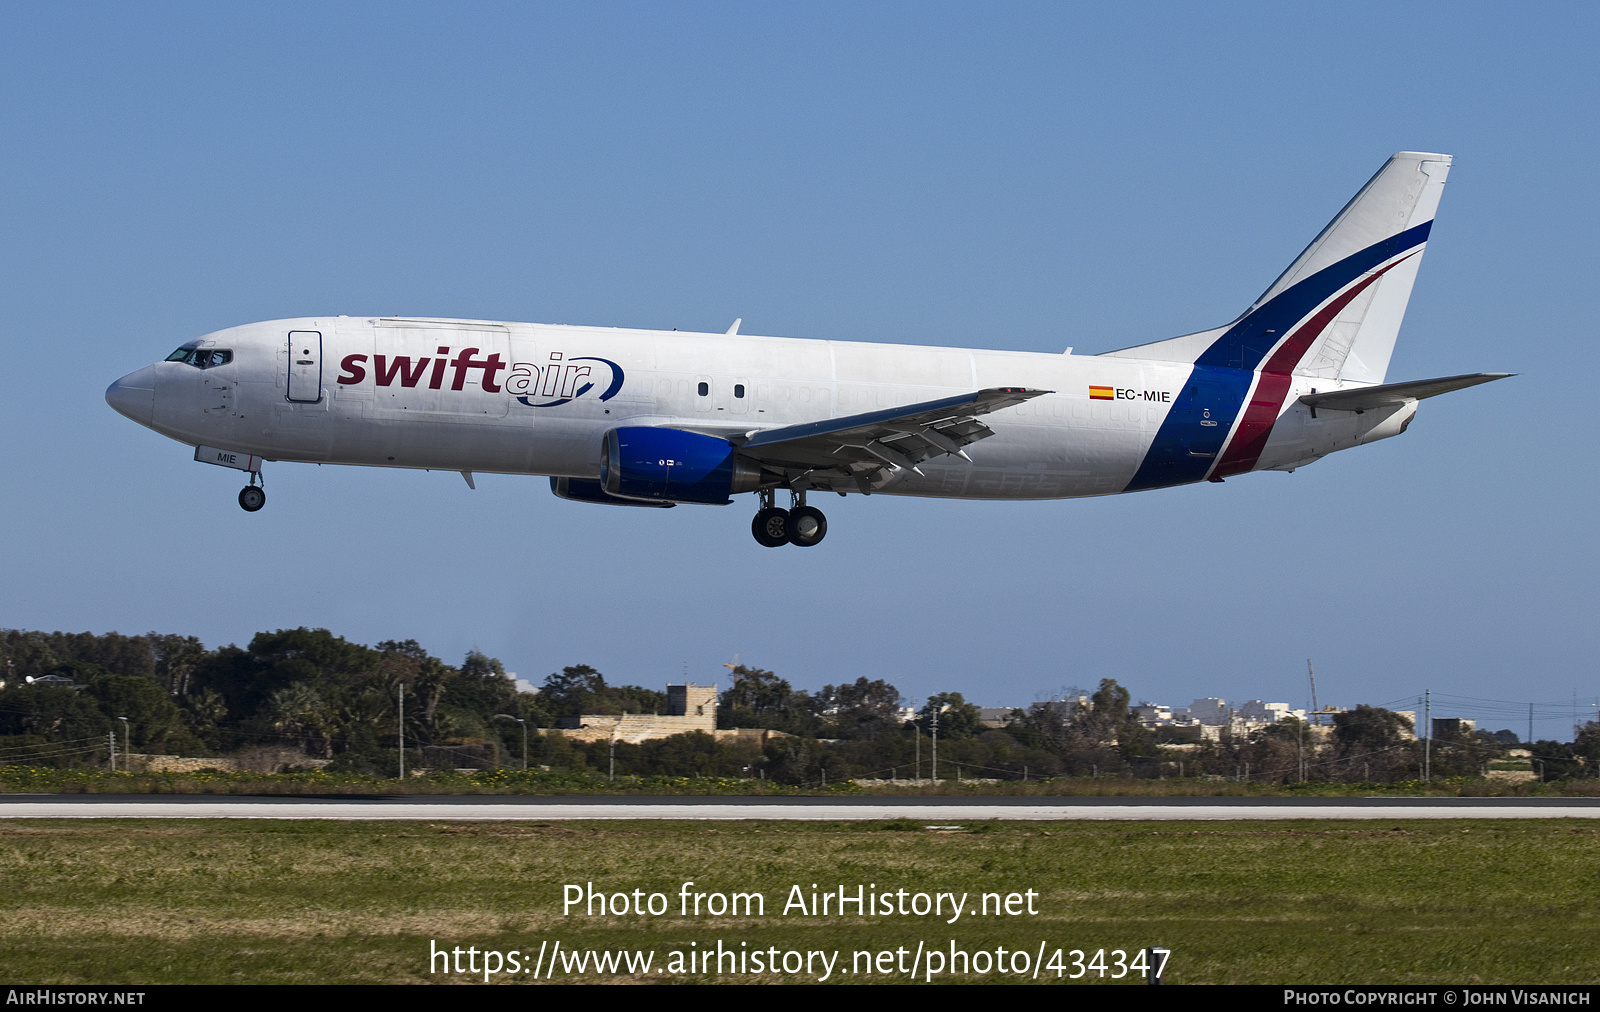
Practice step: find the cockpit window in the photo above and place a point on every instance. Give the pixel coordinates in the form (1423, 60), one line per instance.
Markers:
(203, 358)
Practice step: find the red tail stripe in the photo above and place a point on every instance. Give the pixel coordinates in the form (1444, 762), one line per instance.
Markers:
(1250, 438)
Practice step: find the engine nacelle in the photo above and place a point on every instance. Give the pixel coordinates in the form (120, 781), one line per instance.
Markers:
(587, 490)
(672, 465)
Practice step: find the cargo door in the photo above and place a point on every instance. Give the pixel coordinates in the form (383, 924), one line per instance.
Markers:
(305, 366)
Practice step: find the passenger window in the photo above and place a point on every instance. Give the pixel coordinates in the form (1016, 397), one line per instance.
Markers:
(738, 390)
(705, 388)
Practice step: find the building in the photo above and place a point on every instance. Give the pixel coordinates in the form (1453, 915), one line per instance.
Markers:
(1210, 711)
(1258, 712)
(994, 717)
(1453, 727)
(689, 708)
(1151, 714)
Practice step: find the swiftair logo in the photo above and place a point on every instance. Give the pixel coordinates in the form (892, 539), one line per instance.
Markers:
(562, 380)
(389, 370)
(558, 381)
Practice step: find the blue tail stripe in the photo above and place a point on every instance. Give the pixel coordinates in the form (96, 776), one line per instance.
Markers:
(1185, 447)
(1246, 343)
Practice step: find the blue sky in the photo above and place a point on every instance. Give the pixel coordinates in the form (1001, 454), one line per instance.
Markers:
(1013, 176)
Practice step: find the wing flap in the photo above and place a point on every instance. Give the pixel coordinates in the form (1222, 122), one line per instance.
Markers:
(865, 451)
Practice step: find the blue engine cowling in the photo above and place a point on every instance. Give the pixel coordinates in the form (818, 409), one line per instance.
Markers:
(671, 465)
(589, 490)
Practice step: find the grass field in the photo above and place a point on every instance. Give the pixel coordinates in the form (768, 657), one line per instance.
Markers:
(1436, 901)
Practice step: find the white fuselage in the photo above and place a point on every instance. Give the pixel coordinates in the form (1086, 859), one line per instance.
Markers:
(533, 399)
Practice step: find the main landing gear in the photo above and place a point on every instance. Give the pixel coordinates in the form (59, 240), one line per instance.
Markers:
(252, 497)
(798, 525)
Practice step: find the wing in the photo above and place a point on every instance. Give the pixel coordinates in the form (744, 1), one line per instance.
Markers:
(865, 452)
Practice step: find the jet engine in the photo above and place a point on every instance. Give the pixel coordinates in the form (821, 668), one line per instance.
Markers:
(673, 465)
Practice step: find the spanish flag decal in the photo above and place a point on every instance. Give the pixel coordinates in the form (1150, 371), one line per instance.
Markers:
(1101, 394)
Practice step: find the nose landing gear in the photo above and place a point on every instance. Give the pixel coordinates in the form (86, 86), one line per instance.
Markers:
(252, 497)
(800, 525)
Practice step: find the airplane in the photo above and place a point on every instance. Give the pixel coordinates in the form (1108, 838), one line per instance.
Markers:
(658, 418)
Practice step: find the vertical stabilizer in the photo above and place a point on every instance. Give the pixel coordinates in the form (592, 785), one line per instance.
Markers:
(1400, 200)
(1335, 313)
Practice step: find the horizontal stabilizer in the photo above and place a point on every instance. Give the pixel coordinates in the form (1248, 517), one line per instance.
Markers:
(1391, 394)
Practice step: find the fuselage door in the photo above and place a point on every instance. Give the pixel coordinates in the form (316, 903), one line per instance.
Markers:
(1213, 398)
(305, 366)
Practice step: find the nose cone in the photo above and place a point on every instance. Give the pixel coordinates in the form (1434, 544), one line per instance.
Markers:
(134, 395)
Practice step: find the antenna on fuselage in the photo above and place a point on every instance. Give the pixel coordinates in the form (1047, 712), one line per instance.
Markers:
(735, 328)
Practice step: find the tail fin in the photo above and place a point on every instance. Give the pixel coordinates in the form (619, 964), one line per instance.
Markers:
(1336, 311)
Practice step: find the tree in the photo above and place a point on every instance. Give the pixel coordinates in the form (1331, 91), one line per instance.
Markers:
(756, 691)
(1108, 710)
(802, 761)
(275, 660)
(759, 698)
(1586, 746)
(300, 713)
(957, 717)
(1371, 743)
(576, 689)
(1556, 760)
(176, 658)
(155, 722)
(581, 689)
(54, 713)
(1370, 727)
(859, 708)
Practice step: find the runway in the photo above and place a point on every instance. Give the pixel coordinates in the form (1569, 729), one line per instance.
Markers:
(478, 808)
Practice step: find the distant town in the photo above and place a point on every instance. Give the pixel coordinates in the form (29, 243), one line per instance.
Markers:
(305, 699)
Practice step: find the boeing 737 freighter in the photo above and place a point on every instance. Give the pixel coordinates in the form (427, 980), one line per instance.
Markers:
(651, 418)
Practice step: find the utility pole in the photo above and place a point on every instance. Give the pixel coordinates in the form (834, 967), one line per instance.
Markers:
(1427, 742)
(1300, 749)
(402, 696)
(936, 745)
(127, 746)
(524, 723)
